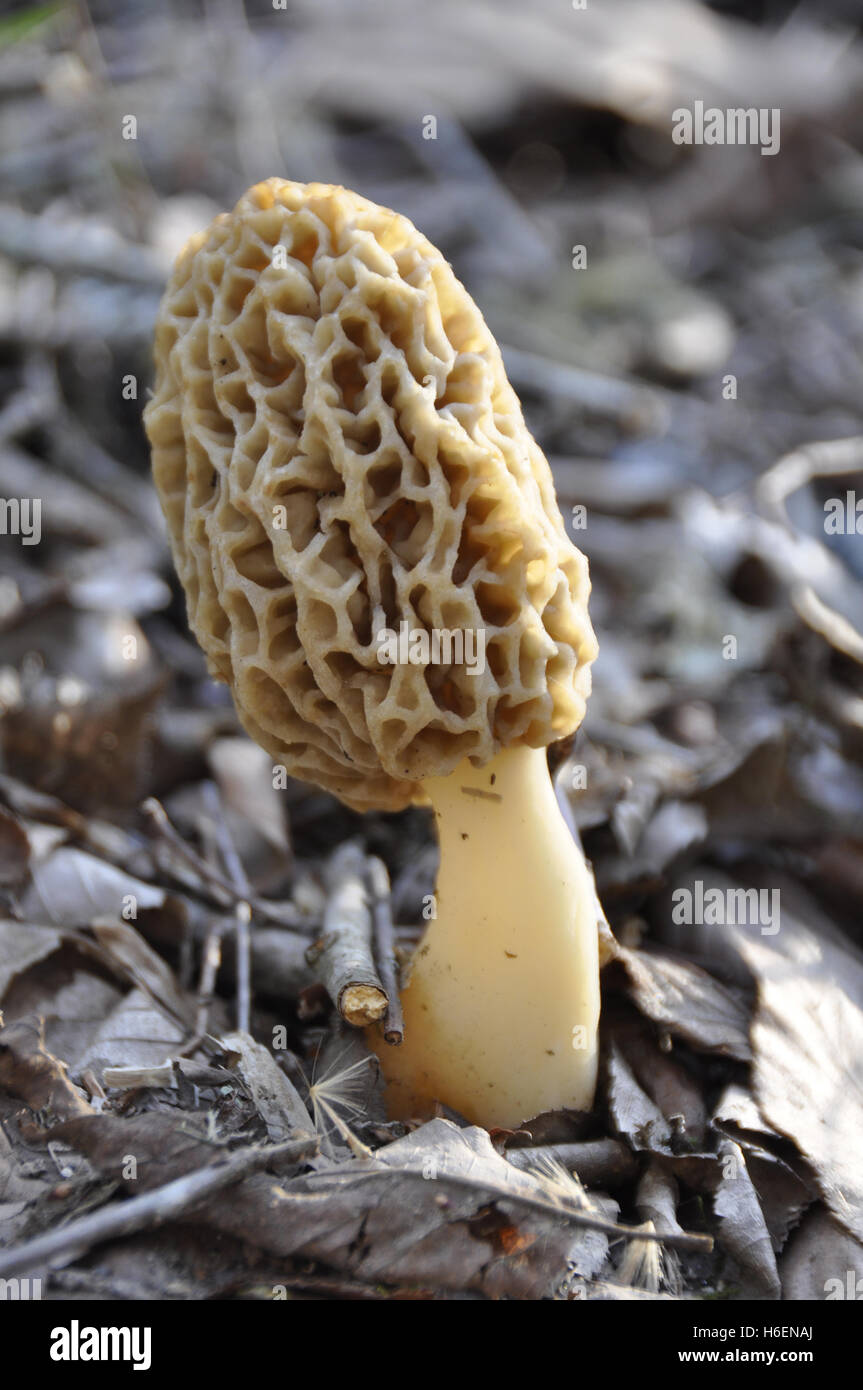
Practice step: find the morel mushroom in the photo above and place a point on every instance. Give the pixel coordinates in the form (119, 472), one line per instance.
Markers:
(339, 455)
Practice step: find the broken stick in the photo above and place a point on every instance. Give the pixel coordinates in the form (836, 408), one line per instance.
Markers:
(385, 948)
(342, 958)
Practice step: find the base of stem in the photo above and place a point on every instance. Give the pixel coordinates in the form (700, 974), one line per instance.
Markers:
(502, 1004)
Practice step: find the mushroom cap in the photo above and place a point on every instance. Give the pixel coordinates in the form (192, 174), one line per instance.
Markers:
(337, 450)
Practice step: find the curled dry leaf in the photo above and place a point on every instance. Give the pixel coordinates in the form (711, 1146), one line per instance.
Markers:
(736, 1114)
(743, 1231)
(276, 1099)
(822, 1261)
(633, 1113)
(21, 946)
(72, 999)
(784, 1192)
(33, 1074)
(688, 1002)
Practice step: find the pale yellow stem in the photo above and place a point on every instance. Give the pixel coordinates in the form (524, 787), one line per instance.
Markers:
(502, 1005)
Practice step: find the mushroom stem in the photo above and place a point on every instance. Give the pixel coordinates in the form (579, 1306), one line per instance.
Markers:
(502, 1004)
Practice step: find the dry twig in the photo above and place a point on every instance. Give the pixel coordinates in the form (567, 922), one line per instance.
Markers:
(342, 957)
(151, 1209)
(384, 942)
(221, 889)
(606, 1161)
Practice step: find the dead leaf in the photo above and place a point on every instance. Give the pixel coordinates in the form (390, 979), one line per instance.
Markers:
(21, 946)
(70, 888)
(129, 952)
(807, 1037)
(32, 1074)
(68, 995)
(634, 1115)
(163, 1144)
(822, 1262)
(135, 1033)
(783, 1192)
(407, 1219)
(277, 1101)
(17, 1191)
(687, 1001)
(742, 1228)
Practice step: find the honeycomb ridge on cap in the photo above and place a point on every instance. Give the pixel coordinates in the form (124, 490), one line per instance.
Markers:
(337, 448)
